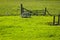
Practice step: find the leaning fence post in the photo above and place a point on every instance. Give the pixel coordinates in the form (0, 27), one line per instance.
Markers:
(58, 19)
(53, 20)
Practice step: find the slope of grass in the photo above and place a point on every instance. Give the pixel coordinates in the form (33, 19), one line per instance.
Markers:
(13, 7)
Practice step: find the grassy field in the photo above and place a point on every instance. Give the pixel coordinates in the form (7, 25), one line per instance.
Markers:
(17, 28)
(13, 7)
(34, 28)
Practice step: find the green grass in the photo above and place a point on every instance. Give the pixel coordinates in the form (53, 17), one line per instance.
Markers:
(13, 7)
(34, 28)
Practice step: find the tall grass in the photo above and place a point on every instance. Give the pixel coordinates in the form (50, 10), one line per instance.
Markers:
(13, 7)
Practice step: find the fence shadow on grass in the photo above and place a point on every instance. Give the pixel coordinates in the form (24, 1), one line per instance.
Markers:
(51, 24)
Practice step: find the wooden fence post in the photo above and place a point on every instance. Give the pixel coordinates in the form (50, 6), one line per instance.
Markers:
(45, 11)
(21, 8)
(53, 20)
(58, 19)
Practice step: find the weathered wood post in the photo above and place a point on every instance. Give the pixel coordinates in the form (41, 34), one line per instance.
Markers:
(45, 11)
(58, 19)
(22, 8)
(53, 20)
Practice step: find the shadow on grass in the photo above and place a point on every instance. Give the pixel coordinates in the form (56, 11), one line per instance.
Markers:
(51, 24)
(47, 35)
(4, 32)
(10, 26)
